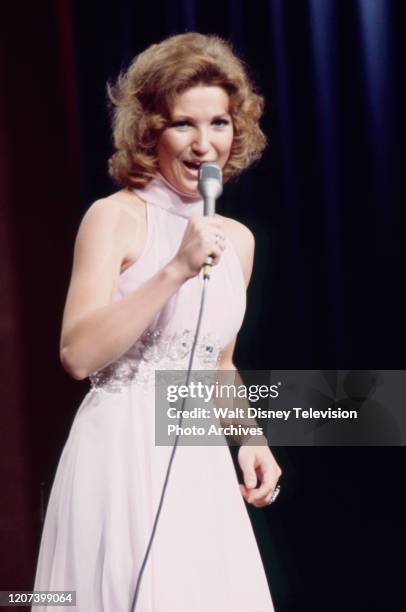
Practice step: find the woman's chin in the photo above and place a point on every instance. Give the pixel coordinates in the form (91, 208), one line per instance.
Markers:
(188, 184)
(192, 188)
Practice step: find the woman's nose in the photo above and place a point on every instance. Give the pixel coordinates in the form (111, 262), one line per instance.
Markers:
(200, 144)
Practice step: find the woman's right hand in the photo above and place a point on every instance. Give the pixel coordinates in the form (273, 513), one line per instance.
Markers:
(203, 237)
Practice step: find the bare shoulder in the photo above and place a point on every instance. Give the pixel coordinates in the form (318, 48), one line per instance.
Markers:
(243, 242)
(238, 232)
(120, 205)
(122, 215)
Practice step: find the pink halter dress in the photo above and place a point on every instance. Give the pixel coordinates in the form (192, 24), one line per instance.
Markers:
(109, 479)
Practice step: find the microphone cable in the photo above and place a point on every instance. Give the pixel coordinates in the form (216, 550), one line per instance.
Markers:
(206, 277)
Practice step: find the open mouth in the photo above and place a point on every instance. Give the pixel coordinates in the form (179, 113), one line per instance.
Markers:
(191, 165)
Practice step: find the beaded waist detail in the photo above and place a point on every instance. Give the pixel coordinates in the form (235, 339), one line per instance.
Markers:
(156, 350)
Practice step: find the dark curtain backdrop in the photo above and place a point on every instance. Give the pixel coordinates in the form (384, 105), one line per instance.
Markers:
(325, 204)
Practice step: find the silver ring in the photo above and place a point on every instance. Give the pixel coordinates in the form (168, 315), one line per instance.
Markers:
(274, 495)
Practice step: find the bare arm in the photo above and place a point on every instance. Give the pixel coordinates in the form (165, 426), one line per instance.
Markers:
(96, 331)
(257, 463)
(244, 244)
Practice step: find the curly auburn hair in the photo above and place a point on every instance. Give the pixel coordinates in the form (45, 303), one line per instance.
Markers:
(142, 97)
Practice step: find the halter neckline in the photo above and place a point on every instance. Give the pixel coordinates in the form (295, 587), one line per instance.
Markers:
(161, 193)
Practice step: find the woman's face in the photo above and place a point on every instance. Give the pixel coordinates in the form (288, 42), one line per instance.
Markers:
(200, 130)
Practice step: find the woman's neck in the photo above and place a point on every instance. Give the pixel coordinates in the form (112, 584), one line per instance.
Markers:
(163, 194)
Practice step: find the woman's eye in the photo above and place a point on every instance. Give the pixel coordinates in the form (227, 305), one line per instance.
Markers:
(180, 124)
(183, 124)
(220, 122)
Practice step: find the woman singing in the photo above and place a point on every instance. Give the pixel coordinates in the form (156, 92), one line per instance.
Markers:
(131, 309)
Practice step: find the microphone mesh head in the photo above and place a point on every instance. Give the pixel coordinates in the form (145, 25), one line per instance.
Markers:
(210, 171)
(210, 180)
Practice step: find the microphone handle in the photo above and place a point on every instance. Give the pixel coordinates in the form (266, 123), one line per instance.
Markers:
(209, 206)
(209, 210)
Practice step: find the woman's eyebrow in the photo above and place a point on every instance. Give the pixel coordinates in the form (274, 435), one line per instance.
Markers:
(177, 116)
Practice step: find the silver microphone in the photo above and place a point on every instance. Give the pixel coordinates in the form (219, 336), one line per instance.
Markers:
(210, 186)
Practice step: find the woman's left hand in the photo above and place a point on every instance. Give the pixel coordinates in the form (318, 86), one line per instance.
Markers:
(257, 462)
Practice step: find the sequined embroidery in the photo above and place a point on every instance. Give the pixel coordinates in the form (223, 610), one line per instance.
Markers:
(156, 350)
